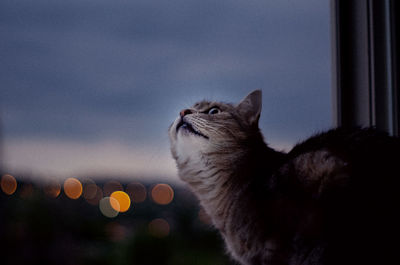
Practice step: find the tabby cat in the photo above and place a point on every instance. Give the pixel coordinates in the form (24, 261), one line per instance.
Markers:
(333, 199)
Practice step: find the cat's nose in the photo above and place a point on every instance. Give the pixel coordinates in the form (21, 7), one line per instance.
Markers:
(185, 112)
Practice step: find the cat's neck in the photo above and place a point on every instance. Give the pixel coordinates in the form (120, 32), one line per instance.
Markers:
(220, 178)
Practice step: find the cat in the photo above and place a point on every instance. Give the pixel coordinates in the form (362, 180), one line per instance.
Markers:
(331, 200)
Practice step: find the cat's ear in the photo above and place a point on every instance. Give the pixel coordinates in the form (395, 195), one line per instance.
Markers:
(250, 107)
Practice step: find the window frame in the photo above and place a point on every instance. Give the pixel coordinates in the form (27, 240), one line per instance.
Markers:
(365, 58)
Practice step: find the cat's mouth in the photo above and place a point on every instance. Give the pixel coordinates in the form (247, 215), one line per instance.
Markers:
(184, 125)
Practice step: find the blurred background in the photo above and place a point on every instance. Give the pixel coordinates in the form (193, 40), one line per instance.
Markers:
(88, 90)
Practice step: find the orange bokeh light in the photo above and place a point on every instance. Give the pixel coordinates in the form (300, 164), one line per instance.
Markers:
(159, 228)
(137, 192)
(8, 184)
(162, 194)
(72, 188)
(52, 188)
(123, 200)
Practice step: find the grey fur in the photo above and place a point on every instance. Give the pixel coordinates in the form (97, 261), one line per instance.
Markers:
(268, 205)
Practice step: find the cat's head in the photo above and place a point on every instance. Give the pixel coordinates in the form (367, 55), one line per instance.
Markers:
(214, 129)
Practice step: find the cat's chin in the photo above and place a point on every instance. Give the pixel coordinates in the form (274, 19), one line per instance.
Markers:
(189, 149)
(188, 132)
(186, 145)
(184, 127)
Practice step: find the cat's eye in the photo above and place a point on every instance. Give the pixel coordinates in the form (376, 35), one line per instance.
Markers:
(214, 111)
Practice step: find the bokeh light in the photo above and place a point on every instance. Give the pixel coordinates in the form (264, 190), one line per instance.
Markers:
(89, 189)
(162, 194)
(204, 217)
(8, 184)
(111, 186)
(72, 188)
(124, 202)
(52, 188)
(115, 231)
(137, 192)
(108, 207)
(26, 190)
(159, 228)
(98, 196)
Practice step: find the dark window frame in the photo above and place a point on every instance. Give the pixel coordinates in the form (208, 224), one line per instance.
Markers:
(365, 58)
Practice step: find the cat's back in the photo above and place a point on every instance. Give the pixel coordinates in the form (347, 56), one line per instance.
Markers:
(352, 175)
(350, 142)
(343, 154)
(350, 158)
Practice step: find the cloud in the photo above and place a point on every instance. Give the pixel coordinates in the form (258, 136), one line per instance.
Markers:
(85, 71)
(60, 159)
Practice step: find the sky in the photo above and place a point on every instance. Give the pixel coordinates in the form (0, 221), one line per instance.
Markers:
(91, 86)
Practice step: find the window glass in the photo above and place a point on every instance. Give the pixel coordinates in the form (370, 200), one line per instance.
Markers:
(88, 91)
(85, 82)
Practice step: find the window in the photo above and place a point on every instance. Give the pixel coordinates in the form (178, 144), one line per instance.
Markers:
(88, 90)
(366, 64)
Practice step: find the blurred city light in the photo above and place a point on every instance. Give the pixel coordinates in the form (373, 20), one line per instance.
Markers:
(89, 189)
(124, 202)
(115, 231)
(52, 188)
(72, 188)
(162, 194)
(26, 190)
(137, 192)
(98, 196)
(108, 207)
(204, 217)
(111, 186)
(8, 184)
(159, 228)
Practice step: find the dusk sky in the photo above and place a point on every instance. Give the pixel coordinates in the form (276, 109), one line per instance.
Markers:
(91, 86)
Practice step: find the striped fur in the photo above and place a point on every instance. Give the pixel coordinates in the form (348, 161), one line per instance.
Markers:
(310, 206)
